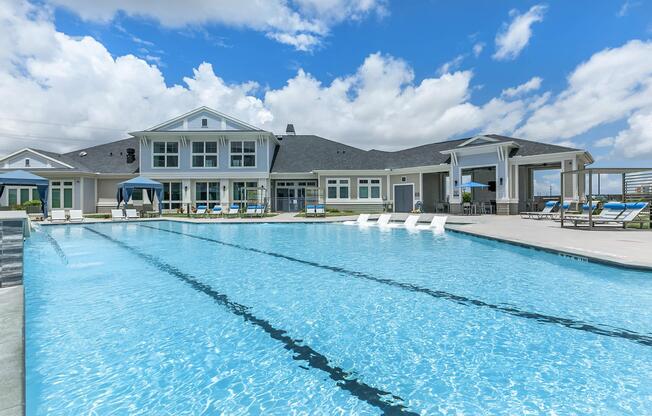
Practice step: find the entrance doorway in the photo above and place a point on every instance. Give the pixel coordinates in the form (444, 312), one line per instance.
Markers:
(403, 198)
(291, 196)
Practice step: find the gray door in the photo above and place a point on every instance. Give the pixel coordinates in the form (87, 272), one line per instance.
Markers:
(403, 198)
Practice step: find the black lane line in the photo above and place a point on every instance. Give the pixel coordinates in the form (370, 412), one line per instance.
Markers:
(389, 403)
(598, 329)
(56, 247)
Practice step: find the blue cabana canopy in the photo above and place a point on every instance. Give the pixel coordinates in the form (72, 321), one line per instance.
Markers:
(24, 178)
(472, 184)
(126, 188)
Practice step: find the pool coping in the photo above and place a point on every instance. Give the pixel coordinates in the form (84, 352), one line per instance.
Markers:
(575, 254)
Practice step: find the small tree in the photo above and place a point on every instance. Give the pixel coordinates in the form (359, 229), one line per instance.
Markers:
(466, 197)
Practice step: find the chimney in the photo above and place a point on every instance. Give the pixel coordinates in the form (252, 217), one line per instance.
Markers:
(131, 155)
(289, 130)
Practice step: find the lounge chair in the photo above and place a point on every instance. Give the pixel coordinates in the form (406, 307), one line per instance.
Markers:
(75, 215)
(437, 224)
(217, 210)
(234, 209)
(251, 210)
(320, 210)
(546, 212)
(410, 222)
(363, 219)
(58, 215)
(201, 210)
(131, 214)
(383, 220)
(117, 214)
(311, 210)
(613, 212)
(260, 210)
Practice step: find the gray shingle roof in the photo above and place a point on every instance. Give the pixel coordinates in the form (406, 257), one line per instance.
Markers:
(303, 153)
(107, 158)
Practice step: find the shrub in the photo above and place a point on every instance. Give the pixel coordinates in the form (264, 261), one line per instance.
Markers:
(466, 197)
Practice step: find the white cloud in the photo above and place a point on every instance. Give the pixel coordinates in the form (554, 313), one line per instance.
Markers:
(451, 65)
(478, 48)
(626, 7)
(533, 84)
(512, 38)
(611, 85)
(636, 141)
(81, 95)
(301, 23)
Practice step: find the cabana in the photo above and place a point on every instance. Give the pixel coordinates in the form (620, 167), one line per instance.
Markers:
(126, 189)
(23, 178)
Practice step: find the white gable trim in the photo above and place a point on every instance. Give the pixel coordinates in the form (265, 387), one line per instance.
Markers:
(216, 113)
(476, 138)
(27, 149)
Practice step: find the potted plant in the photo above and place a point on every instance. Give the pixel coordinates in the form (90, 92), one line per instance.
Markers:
(32, 207)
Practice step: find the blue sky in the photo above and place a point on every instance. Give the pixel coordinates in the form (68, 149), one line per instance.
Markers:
(372, 73)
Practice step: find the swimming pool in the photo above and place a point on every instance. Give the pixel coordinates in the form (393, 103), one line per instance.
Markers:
(178, 318)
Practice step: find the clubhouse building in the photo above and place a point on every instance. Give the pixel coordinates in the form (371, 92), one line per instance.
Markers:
(206, 157)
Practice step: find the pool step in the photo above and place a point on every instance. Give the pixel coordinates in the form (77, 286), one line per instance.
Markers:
(11, 252)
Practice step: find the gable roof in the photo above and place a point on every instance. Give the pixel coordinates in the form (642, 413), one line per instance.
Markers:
(304, 153)
(204, 109)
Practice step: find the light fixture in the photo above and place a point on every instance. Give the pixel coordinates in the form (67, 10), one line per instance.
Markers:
(501, 181)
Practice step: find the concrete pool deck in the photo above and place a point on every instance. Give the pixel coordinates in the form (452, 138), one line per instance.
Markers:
(12, 398)
(615, 246)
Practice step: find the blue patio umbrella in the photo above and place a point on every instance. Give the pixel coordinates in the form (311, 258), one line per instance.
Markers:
(24, 178)
(472, 184)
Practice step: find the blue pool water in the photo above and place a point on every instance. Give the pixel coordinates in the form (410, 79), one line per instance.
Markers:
(173, 318)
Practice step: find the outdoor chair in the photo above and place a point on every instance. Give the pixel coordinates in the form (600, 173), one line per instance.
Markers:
(546, 212)
(437, 224)
(363, 219)
(58, 215)
(131, 214)
(75, 215)
(117, 214)
(320, 210)
(217, 210)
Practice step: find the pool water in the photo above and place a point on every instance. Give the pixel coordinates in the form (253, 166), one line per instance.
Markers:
(176, 318)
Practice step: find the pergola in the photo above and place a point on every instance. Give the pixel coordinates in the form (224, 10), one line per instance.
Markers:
(126, 189)
(24, 178)
(636, 184)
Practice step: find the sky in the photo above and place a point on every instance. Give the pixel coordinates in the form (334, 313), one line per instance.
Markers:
(371, 73)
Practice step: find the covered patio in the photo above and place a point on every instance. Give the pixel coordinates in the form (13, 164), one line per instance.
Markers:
(152, 188)
(24, 178)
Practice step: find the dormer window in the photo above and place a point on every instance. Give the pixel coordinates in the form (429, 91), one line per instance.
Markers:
(204, 122)
(26, 162)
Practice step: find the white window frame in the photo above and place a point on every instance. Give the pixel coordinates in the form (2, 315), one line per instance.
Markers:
(255, 154)
(370, 185)
(32, 193)
(209, 202)
(338, 184)
(167, 203)
(204, 154)
(62, 187)
(166, 154)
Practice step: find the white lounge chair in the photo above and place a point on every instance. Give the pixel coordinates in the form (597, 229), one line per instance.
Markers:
(363, 219)
(437, 224)
(547, 211)
(75, 215)
(260, 210)
(117, 214)
(383, 220)
(234, 209)
(251, 210)
(132, 214)
(58, 215)
(409, 222)
(217, 210)
(613, 212)
(310, 210)
(320, 210)
(201, 210)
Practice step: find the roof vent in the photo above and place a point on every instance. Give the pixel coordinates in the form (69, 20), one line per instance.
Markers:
(289, 130)
(131, 155)
(82, 153)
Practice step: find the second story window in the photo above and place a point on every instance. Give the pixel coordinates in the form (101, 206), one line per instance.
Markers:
(165, 154)
(204, 154)
(243, 153)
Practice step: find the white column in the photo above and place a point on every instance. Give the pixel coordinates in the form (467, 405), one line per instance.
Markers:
(574, 167)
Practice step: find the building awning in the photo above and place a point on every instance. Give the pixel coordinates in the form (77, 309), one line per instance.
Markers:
(126, 189)
(24, 178)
